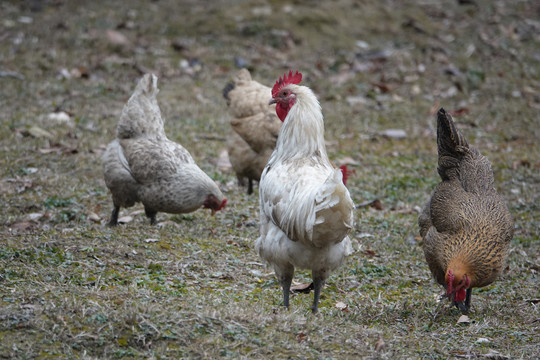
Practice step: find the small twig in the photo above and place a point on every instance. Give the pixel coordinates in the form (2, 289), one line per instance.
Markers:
(12, 74)
(210, 137)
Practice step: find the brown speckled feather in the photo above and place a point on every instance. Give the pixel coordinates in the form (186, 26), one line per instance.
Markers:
(465, 218)
(254, 123)
(143, 165)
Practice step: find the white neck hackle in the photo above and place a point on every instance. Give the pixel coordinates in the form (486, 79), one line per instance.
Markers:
(302, 133)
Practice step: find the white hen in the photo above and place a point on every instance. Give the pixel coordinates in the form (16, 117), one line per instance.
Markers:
(143, 165)
(306, 210)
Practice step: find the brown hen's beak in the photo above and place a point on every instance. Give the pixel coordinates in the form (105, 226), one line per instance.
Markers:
(272, 101)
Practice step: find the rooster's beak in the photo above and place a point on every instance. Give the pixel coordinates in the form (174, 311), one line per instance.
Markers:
(272, 101)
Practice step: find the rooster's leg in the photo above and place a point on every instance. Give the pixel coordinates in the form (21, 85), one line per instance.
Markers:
(114, 216)
(285, 279)
(151, 214)
(318, 282)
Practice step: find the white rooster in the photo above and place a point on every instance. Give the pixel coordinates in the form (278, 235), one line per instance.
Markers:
(306, 210)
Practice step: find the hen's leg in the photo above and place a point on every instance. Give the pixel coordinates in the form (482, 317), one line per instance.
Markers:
(250, 186)
(151, 214)
(468, 298)
(464, 306)
(285, 276)
(318, 282)
(114, 216)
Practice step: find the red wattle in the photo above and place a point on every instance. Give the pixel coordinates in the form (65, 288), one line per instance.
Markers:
(281, 112)
(460, 295)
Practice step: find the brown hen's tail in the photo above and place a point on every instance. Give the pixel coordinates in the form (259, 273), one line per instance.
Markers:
(452, 146)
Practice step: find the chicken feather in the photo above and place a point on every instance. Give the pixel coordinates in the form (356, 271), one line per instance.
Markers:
(255, 127)
(143, 165)
(465, 225)
(306, 210)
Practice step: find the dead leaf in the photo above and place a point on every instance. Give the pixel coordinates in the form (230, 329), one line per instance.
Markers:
(302, 288)
(347, 160)
(94, 217)
(34, 216)
(23, 226)
(482, 340)
(370, 253)
(116, 37)
(384, 87)
(60, 117)
(168, 223)
(492, 354)
(223, 163)
(380, 344)
(376, 204)
(394, 134)
(125, 219)
(301, 337)
(37, 132)
(460, 111)
(60, 149)
(340, 305)
(463, 319)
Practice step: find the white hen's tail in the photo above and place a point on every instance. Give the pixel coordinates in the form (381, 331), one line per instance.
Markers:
(141, 115)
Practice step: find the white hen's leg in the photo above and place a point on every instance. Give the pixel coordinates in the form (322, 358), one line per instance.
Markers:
(319, 278)
(114, 216)
(285, 276)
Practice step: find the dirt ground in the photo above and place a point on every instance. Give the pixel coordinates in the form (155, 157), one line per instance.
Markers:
(193, 286)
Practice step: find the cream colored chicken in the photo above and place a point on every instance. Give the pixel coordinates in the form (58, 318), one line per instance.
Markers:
(306, 210)
(143, 165)
(255, 127)
(466, 226)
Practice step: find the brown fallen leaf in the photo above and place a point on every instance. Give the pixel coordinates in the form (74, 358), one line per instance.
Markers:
(340, 305)
(376, 204)
(301, 337)
(370, 253)
(380, 344)
(302, 288)
(116, 37)
(94, 217)
(60, 149)
(23, 226)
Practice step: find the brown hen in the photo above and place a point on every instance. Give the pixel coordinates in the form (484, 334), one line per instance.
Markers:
(466, 226)
(255, 127)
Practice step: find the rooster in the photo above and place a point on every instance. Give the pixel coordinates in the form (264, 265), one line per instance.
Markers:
(466, 226)
(143, 165)
(306, 210)
(255, 127)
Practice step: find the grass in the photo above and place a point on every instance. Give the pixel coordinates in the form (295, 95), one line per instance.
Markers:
(194, 287)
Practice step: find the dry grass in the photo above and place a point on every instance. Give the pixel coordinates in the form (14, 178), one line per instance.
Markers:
(194, 287)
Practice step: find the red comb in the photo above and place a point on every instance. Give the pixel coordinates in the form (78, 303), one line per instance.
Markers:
(292, 79)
